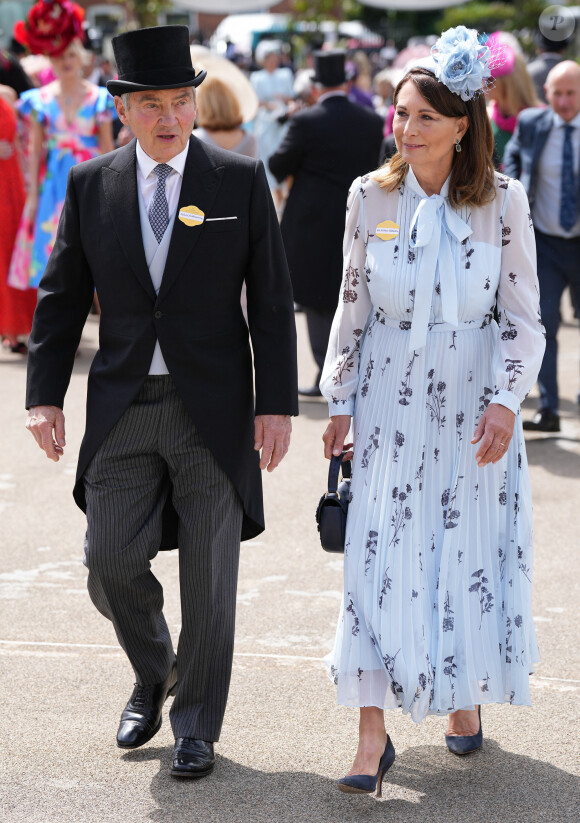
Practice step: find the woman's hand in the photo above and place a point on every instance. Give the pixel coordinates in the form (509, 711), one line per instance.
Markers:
(31, 207)
(335, 435)
(6, 150)
(495, 430)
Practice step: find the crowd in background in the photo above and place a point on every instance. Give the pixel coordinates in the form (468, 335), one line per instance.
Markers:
(55, 111)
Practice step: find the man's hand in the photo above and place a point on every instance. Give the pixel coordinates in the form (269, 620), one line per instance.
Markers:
(46, 423)
(495, 430)
(272, 435)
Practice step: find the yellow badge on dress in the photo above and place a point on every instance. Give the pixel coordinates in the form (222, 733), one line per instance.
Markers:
(191, 216)
(387, 230)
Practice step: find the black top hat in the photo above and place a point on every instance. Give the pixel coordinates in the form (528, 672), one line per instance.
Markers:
(329, 68)
(151, 59)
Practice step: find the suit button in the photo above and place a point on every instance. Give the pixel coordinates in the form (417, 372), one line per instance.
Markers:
(158, 315)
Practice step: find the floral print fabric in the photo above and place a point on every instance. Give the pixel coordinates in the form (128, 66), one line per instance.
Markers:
(436, 613)
(67, 145)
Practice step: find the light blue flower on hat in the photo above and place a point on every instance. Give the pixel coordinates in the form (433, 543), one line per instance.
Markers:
(462, 62)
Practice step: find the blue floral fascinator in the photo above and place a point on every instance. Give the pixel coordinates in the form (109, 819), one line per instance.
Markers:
(462, 63)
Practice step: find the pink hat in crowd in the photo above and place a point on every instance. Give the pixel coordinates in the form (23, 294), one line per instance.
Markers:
(502, 57)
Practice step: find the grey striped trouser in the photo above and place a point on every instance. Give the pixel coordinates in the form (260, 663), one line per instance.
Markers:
(126, 487)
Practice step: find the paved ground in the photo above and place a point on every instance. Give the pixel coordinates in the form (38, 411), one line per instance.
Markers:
(285, 741)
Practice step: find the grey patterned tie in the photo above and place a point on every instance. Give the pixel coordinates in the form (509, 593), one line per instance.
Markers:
(159, 210)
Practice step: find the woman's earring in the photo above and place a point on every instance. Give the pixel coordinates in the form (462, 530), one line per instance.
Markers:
(457, 145)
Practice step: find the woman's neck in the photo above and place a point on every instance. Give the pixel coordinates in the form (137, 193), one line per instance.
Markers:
(70, 85)
(504, 121)
(227, 139)
(432, 180)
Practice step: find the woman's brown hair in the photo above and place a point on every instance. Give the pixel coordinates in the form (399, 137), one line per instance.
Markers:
(515, 91)
(217, 106)
(472, 173)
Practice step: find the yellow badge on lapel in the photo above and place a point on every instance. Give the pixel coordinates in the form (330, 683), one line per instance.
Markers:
(191, 216)
(387, 230)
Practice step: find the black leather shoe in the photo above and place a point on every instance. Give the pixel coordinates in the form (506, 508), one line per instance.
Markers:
(544, 421)
(141, 717)
(192, 757)
(313, 391)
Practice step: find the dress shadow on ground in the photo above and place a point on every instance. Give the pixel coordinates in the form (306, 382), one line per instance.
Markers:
(426, 783)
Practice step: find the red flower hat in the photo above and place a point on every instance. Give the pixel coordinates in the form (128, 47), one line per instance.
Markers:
(50, 27)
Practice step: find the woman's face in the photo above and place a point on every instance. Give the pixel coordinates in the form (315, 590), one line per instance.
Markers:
(424, 137)
(271, 61)
(68, 64)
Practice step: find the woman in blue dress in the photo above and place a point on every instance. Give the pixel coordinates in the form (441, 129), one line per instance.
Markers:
(436, 615)
(70, 121)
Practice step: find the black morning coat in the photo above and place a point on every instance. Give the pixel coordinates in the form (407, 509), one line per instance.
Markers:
(326, 147)
(196, 316)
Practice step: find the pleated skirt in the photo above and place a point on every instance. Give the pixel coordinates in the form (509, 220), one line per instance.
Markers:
(437, 605)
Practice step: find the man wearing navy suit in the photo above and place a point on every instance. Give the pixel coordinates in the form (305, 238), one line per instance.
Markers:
(167, 229)
(544, 153)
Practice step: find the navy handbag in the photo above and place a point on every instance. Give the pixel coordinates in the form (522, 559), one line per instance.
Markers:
(333, 506)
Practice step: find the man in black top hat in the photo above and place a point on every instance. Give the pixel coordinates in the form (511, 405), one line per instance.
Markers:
(167, 229)
(327, 146)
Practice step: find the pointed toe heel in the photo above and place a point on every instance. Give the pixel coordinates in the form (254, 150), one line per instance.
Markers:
(465, 744)
(367, 783)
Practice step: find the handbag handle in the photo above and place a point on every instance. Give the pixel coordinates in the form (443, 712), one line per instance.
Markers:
(334, 469)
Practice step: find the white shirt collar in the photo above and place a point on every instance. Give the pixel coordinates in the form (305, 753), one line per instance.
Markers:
(558, 121)
(146, 164)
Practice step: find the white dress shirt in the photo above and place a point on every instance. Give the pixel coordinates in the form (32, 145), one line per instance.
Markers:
(546, 212)
(147, 183)
(147, 179)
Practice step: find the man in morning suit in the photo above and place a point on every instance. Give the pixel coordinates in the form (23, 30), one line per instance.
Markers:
(544, 153)
(167, 229)
(327, 146)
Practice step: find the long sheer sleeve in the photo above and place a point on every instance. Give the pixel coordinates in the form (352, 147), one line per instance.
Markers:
(340, 374)
(520, 348)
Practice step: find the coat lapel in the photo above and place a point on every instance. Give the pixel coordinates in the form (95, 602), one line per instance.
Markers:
(201, 181)
(541, 135)
(541, 132)
(120, 186)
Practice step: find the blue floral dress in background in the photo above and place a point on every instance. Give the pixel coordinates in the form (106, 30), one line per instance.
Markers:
(436, 613)
(67, 145)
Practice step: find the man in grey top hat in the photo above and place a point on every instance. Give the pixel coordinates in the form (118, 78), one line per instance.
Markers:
(167, 229)
(326, 148)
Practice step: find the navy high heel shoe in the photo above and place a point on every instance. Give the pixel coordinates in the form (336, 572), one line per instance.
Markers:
(366, 783)
(465, 744)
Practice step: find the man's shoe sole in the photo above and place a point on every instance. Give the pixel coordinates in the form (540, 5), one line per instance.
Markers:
(192, 775)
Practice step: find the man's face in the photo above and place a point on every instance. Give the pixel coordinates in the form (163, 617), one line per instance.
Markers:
(563, 94)
(162, 121)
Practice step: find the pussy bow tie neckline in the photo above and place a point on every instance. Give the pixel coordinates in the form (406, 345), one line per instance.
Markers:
(432, 226)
